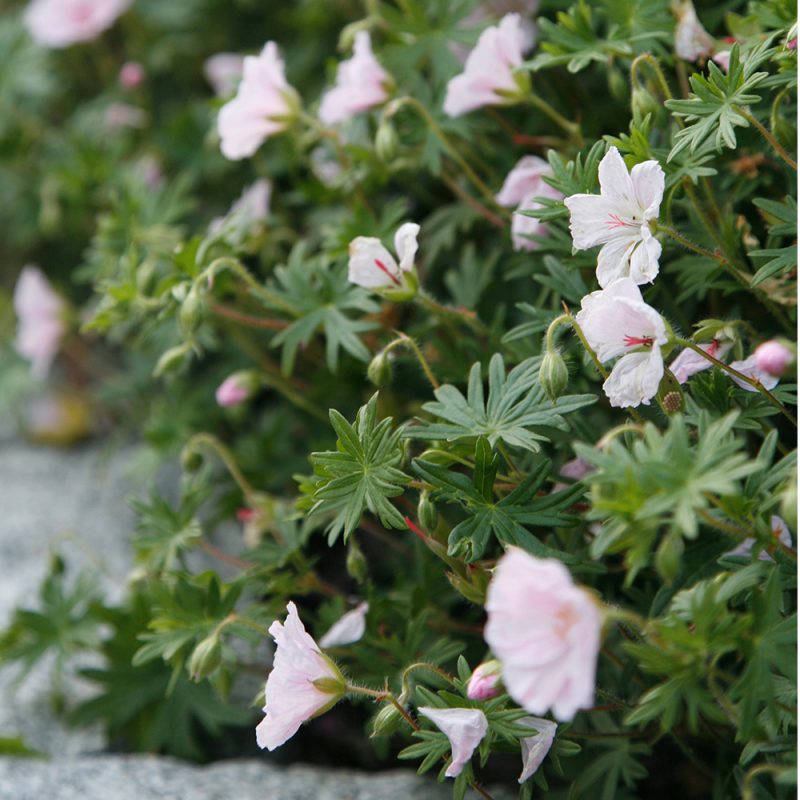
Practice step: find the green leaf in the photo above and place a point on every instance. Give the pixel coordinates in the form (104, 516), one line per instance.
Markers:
(361, 474)
(516, 403)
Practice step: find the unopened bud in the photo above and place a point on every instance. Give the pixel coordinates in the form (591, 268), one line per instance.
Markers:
(380, 370)
(171, 360)
(356, 562)
(386, 721)
(191, 460)
(789, 501)
(484, 682)
(553, 374)
(668, 557)
(775, 357)
(386, 141)
(618, 84)
(191, 310)
(643, 103)
(237, 388)
(205, 658)
(427, 513)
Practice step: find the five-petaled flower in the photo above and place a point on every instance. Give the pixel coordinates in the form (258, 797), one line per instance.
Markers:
(617, 322)
(304, 682)
(521, 188)
(361, 84)
(265, 104)
(40, 312)
(546, 633)
(372, 266)
(488, 78)
(464, 727)
(619, 219)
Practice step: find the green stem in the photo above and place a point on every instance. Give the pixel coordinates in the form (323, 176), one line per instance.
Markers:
(771, 140)
(450, 149)
(572, 128)
(224, 454)
(762, 769)
(646, 58)
(236, 266)
(424, 665)
(754, 382)
(406, 341)
(385, 697)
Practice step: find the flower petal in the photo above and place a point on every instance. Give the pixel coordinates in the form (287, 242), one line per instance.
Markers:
(464, 727)
(406, 245)
(634, 379)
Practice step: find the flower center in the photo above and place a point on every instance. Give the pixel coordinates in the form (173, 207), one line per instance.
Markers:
(565, 618)
(634, 341)
(383, 268)
(713, 347)
(615, 221)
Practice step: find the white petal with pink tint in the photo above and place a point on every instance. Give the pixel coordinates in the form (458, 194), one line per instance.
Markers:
(348, 629)
(464, 727)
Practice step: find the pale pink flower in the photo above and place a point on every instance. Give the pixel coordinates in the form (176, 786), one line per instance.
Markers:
(361, 84)
(251, 209)
(619, 219)
(617, 322)
(689, 363)
(546, 633)
(348, 629)
(491, 10)
(723, 58)
(484, 683)
(535, 748)
(40, 313)
(372, 266)
(780, 530)
(750, 368)
(488, 78)
(61, 23)
(464, 727)
(773, 357)
(522, 185)
(264, 105)
(692, 40)
(304, 682)
(131, 75)
(233, 390)
(224, 71)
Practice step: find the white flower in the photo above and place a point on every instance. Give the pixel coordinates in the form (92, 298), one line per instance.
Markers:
(619, 219)
(535, 748)
(223, 71)
(348, 629)
(61, 23)
(304, 682)
(373, 266)
(780, 531)
(617, 322)
(691, 38)
(264, 105)
(251, 209)
(750, 368)
(361, 84)
(464, 727)
(689, 362)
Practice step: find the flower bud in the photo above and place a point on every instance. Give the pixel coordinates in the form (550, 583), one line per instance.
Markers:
(171, 360)
(191, 311)
(643, 103)
(774, 357)
(191, 460)
(386, 141)
(427, 513)
(618, 85)
(205, 658)
(380, 370)
(553, 374)
(356, 562)
(789, 501)
(484, 682)
(237, 388)
(131, 75)
(668, 557)
(386, 721)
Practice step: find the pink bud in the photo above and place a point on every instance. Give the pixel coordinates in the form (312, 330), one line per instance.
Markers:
(131, 75)
(773, 357)
(484, 681)
(233, 390)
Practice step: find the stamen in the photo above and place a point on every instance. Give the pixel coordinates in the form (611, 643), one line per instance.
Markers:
(381, 266)
(633, 341)
(713, 347)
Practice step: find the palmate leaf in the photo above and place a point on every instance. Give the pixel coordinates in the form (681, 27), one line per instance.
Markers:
(781, 259)
(516, 403)
(506, 518)
(362, 473)
(714, 109)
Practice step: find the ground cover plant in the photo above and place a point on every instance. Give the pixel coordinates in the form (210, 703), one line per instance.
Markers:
(478, 319)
